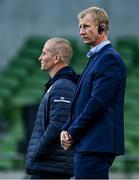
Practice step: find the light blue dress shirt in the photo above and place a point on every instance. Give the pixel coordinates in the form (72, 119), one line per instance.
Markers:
(97, 48)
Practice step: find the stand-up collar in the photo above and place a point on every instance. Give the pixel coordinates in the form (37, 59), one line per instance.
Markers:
(66, 72)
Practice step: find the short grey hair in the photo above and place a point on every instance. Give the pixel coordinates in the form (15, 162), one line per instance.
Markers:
(63, 47)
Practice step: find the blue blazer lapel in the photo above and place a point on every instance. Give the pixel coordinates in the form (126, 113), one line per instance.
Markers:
(93, 58)
(88, 67)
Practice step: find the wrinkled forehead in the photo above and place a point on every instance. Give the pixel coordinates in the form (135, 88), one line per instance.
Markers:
(88, 18)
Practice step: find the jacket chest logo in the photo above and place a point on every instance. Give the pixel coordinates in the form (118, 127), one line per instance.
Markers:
(62, 99)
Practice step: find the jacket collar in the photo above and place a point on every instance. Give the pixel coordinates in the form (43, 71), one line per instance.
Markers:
(67, 73)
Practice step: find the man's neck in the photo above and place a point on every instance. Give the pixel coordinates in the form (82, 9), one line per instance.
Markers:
(56, 69)
(101, 39)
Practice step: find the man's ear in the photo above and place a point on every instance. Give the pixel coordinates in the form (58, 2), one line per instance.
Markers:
(57, 58)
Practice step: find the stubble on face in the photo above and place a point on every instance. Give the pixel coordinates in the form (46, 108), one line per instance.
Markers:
(47, 60)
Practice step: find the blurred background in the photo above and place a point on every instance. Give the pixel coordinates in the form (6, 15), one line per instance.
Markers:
(24, 27)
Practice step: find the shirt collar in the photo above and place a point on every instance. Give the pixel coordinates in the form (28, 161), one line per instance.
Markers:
(97, 48)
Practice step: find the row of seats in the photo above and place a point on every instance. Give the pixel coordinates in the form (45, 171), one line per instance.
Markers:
(129, 49)
(21, 84)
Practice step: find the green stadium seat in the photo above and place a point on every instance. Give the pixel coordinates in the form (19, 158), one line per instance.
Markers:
(25, 63)
(16, 73)
(128, 57)
(135, 73)
(25, 52)
(38, 74)
(118, 165)
(132, 135)
(131, 103)
(9, 82)
(80, 64)
(78, 69)
(132, 115)
(24, 100)
(133, 93)
(127, 41)
(35, 42)
(132, 82)
(5, 93)
(1, 105)
(35, 82)
(128, 47)
(128, 146)
(27, 96)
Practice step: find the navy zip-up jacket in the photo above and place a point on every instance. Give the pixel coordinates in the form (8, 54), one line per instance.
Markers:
(44, 152)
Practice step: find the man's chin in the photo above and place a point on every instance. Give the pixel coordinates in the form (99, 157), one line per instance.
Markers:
(42, 69)
(86, 42)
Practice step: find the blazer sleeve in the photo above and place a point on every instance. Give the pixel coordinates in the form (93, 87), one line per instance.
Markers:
(104, 86)
(59, 110)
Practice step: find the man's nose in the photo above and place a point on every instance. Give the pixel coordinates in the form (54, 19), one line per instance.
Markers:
(40, 57)
(82, 32)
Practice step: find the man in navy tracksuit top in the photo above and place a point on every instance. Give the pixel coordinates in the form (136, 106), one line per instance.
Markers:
(46, 159)
(96, 127)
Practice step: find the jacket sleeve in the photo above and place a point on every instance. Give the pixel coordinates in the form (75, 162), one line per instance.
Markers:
(59, 109)
(67, 124)
(104, 86)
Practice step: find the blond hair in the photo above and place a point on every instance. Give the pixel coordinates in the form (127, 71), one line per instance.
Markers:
(99, 16)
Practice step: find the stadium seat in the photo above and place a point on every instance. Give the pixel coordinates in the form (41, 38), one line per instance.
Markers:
(25, 63)
(8, 82)
(35, 42)
(25, 52)
(128, 48)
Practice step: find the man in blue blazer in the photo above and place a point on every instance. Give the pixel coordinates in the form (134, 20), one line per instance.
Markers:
(96, 127)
